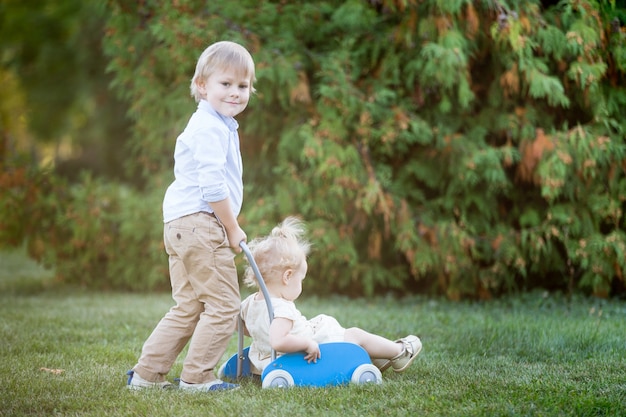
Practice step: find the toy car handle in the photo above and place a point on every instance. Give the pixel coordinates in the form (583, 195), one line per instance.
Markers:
(261, 281)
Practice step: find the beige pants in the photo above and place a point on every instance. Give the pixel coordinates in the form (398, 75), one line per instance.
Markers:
(206, 291)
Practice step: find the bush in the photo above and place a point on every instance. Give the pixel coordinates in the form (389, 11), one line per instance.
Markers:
(95, 234)
(21, 188)
(432, 146)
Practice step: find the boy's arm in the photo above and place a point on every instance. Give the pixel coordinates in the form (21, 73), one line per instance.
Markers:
(282, 340)
(234, 233)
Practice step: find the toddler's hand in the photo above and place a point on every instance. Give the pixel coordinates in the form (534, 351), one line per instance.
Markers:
(312, 352)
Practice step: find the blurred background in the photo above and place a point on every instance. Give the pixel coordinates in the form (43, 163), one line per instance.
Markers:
(461, 148)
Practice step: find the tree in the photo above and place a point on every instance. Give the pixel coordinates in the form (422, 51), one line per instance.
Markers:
(57, 96)
(463, 147)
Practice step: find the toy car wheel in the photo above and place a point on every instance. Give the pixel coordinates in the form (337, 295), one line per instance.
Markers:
(278, 378)
(366, 374)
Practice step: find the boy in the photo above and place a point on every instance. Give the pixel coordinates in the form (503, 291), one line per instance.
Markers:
(201, 231)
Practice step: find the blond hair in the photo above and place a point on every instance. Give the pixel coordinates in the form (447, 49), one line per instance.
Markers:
(284, 248)
(222, 55)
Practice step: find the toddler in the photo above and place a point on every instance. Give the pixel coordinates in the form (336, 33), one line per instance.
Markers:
(281, 258)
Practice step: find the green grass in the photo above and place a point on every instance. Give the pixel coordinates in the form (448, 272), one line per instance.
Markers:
(530, 355)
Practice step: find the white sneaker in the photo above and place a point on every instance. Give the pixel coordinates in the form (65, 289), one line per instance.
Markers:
(412, 348)
(136, 382)
(217, 385)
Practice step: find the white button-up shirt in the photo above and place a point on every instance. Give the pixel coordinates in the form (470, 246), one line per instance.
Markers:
(207, 165)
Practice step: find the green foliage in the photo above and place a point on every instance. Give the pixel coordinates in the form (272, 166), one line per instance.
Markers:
(431, 146)
(56, 101)
(21, 275)
(93, 234)
(450, 147)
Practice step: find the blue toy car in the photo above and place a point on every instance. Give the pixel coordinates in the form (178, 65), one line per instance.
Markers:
(340, 363)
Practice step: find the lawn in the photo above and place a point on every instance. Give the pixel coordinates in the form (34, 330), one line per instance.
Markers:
(65, 352)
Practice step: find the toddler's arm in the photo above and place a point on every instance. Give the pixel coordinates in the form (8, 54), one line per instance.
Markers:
(282, 340)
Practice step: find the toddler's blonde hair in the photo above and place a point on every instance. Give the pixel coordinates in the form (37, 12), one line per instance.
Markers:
(285, 247)
(219, 56)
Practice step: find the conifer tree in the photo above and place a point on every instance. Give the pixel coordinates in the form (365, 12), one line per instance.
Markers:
(461, 147)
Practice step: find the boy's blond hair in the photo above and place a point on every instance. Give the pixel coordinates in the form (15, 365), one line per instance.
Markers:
(222, 55)
(284, 248)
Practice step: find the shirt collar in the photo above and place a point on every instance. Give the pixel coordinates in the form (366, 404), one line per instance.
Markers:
(230, 122)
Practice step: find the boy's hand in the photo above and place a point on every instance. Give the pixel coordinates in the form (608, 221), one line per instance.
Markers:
(235, 237)
(234, 233)
(312, 352)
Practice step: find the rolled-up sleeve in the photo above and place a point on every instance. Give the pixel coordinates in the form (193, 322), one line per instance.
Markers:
(210, 153)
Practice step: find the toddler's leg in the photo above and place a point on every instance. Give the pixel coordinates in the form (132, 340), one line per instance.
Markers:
(385, 353)
(376, 346)
(412, 346)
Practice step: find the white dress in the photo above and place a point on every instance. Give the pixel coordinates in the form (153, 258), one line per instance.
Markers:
(321, 328)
